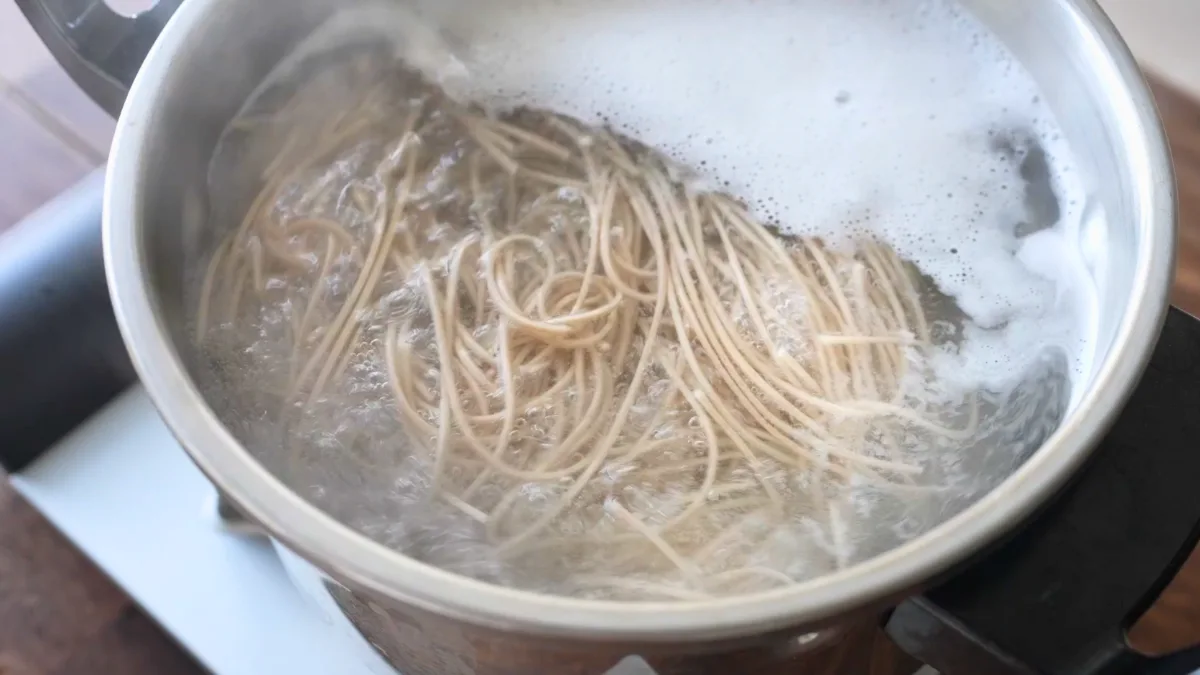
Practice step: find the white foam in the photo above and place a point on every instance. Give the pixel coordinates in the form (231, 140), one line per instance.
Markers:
(833, 119)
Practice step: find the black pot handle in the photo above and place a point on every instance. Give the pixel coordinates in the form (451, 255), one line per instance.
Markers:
(1058, 596)
(61, 353)
(101, 49)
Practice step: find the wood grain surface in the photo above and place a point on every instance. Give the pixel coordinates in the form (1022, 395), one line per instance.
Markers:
(59, 615)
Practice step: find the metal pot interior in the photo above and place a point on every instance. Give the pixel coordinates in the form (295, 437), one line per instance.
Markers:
(229, 46)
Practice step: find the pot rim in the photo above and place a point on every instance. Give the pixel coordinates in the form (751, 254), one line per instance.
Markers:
(360, 562)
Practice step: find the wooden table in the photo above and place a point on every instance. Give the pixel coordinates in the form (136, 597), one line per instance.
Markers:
(59, 615)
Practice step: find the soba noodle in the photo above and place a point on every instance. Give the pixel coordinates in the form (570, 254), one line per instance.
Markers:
(572, 281)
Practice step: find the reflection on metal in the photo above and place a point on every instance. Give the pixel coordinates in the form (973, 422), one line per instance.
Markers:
(233, 520)
(101, 49)
(632, 665)
(929, 634)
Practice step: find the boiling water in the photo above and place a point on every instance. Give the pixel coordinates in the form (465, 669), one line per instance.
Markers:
(907, 120)
(900, 120)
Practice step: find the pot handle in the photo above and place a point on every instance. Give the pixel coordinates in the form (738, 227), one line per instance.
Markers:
(61, 352)
(1057, 597)
(100, 49)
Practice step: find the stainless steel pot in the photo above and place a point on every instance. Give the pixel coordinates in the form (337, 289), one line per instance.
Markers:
(212, 53)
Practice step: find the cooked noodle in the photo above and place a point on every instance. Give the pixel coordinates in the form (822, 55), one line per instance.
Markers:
(611, 345)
